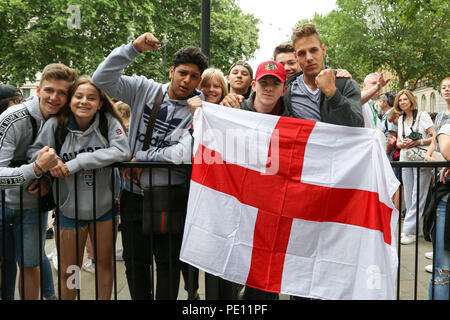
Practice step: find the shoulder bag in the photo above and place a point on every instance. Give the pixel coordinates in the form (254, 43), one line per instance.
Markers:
(164, 209)
(418, 153)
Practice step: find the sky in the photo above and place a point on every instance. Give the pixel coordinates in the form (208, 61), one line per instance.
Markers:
(278, 17)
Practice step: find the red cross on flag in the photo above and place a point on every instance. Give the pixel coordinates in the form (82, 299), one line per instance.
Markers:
(291, 206)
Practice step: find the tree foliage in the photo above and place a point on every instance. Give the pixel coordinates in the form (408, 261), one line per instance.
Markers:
(408, 38)
(39, 32)
(233, 34)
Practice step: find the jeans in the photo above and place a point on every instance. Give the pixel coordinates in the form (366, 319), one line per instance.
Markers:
(9, 266)
(47, 277)
(30, 218)
(441, 258)
(71, 224)
(13, 239)
(138, 251)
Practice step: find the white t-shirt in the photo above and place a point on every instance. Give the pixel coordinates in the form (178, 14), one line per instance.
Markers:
(423, 122)
(370, 117)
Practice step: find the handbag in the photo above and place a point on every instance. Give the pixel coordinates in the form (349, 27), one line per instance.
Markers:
(47, 202)
(167, 212)
(164, 208)
(416, 153)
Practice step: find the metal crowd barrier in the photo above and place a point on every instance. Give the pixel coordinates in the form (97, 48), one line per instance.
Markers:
(435, 181)
(211, 284)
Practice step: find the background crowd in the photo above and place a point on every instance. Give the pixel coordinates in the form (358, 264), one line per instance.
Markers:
(86, 124)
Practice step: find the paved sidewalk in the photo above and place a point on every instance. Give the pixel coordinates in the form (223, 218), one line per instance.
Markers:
(407, 272)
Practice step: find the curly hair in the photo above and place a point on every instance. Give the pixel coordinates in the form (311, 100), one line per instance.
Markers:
(192, 55)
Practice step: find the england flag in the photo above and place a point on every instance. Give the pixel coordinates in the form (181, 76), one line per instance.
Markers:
(291, 206)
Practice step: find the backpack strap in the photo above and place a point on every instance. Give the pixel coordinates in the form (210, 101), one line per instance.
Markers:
(103, 126)
(60, 136)
(17, 163)
(152, 121)
(34, 125)
(61, 133)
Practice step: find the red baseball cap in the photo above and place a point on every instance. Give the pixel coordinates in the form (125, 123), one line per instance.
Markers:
(271, 68)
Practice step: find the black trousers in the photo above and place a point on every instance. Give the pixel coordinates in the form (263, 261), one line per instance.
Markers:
(256, 294)
(187, 279)
(138, 252)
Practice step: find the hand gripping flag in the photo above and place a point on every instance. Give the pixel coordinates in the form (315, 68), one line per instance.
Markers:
(291, 206)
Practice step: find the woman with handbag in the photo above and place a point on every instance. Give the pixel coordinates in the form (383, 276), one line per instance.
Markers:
(87, 135)
(415, 134)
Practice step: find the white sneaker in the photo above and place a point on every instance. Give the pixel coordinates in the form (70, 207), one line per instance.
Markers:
(429, 255)
(52, 254)
(429, 268)
(408, 239)
(89, 266)
(119, 252)
(55, 261)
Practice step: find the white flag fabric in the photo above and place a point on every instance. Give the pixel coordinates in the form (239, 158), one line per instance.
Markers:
(291, 206)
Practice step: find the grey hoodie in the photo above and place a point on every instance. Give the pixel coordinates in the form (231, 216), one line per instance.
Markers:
(82, 152)
(15, 138)
(171, 140)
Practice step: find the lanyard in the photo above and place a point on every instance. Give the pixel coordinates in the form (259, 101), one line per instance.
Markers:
(375, 118)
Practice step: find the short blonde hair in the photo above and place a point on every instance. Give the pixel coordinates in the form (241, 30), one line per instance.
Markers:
(119, 105)
(410, 97)
(305, 30)
(58, 71)
(212, 73)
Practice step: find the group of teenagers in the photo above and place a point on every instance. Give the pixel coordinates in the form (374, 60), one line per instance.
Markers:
(79, 131)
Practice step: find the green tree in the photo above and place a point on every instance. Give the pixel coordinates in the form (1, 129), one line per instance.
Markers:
(78, 33)
(39, 32)
(234, 35)
(408, 38)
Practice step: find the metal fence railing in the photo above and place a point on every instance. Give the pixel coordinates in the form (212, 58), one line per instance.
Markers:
(412, 283)
(433, 166)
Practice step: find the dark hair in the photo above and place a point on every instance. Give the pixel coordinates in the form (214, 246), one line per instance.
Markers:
(244, 64)
(283, 48)
(8, 93)
(192, 55)
(389, 98)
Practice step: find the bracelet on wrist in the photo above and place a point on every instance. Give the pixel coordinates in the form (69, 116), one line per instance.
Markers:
(39, 168)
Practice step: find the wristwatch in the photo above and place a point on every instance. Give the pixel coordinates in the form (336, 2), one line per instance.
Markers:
(421, 142)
